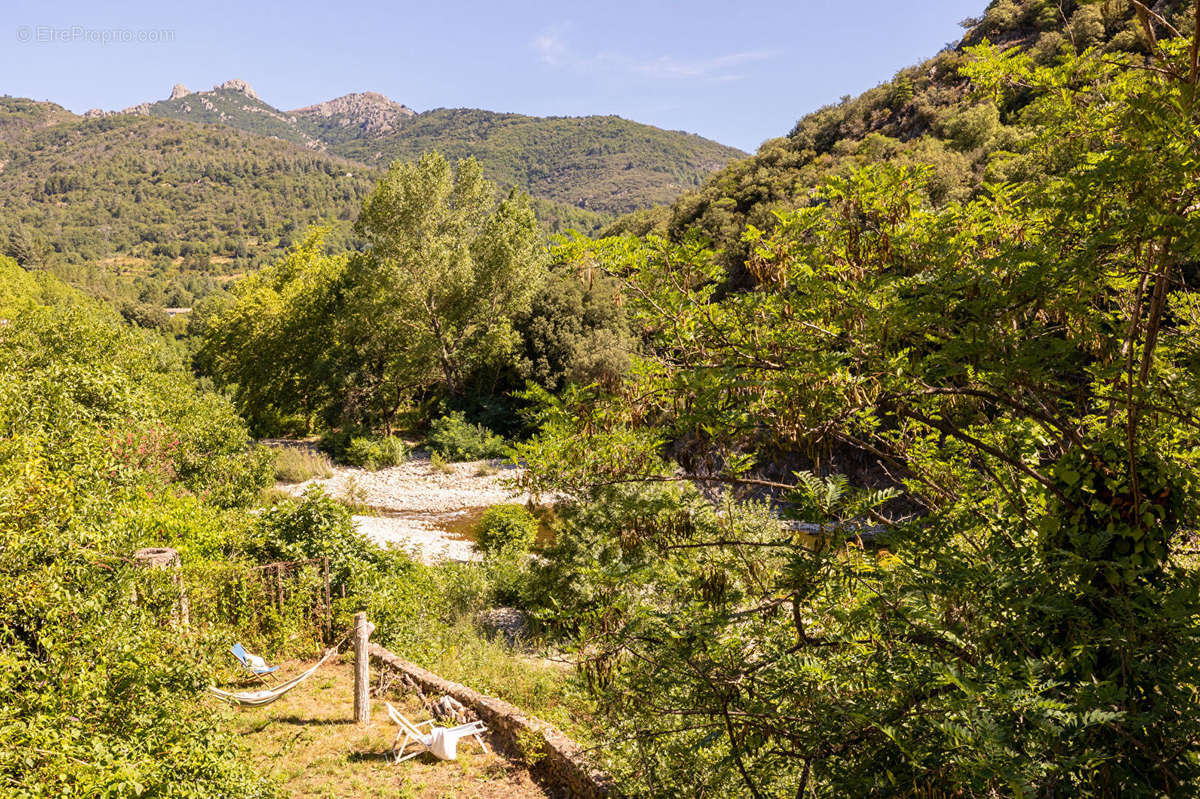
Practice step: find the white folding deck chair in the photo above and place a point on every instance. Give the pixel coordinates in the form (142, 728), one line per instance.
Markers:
(442, 741)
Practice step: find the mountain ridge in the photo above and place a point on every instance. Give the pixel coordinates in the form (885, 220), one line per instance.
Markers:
(372, 113)
(600, 164)
(169, 197)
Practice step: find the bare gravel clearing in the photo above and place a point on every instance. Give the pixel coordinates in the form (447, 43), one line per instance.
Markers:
(421, 508)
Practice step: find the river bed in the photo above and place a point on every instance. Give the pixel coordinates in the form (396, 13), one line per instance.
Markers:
(426, 510)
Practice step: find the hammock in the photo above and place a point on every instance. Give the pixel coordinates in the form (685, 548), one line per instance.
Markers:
(260, 698)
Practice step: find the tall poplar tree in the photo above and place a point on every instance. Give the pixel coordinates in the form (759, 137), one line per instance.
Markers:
(446, 270)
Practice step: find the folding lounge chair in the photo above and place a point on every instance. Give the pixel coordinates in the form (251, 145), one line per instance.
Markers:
(442, 741)
(253, 664)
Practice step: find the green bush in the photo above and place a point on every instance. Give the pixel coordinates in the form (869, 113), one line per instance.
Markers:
(295, 465)
(506, 528)
(375, 453)
(508, 578)
(334, 443)
(316, 526)
(456, 439)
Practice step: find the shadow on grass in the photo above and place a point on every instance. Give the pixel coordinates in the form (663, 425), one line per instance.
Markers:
(370, 757)
(310, 722)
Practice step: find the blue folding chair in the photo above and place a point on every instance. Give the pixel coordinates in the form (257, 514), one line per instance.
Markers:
(253, 664)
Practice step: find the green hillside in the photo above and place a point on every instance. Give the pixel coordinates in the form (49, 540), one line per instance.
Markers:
(154, 213)
(142, 186)
(20, 118)
(159, 211)
(601, 163)
(209, 184)
(926, 114)
(237, 109)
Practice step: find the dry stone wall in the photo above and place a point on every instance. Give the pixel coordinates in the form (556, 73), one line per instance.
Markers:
(561, 762)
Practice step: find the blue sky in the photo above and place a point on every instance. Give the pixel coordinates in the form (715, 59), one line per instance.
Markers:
(738, 72)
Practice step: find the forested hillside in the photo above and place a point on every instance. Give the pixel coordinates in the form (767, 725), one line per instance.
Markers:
(927, 114)
(156, 207)
(155, 213)
(235, 105)
(606, 165)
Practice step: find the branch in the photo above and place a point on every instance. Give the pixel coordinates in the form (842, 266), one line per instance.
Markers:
(967, 438)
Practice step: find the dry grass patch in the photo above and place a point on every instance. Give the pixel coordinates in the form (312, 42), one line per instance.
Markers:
(296, 464)
(308, 742)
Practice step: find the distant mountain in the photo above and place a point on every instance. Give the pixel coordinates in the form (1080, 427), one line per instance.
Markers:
(601, 163)
(235, 104)
(159, 203)
(20, 117)
(141, 190)
(604, 165)
(354, 116)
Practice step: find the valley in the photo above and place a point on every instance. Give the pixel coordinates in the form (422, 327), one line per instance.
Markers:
(865, 465)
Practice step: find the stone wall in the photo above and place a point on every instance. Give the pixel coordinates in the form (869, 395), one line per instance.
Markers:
(560, 762)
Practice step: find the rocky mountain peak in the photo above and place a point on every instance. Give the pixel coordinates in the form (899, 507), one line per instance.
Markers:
(179, 90)
(374, 113)
(238, 86)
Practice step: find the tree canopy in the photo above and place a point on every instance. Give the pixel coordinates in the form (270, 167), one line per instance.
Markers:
(1002, 601)
(355, 338)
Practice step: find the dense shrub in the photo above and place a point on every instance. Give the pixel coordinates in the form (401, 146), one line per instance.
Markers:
(506, 527)
(375, 453)
(334, 442)
(456, 439)
(316, 526)
(107, 445)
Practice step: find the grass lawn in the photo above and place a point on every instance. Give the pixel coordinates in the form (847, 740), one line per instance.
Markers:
(309, 743)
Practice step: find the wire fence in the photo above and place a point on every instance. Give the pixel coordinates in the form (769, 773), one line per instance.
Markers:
(282, 607)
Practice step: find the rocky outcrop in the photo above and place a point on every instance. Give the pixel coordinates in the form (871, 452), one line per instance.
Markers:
(236, 85)
(179, 90)
(370, 112)
(141, 109)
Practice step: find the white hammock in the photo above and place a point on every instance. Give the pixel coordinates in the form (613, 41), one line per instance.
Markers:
(260, 698)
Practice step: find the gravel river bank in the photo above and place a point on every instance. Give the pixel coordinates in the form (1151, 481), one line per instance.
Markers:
(426, 510)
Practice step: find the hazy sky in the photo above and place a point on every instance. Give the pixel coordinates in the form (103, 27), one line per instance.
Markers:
(736, 71)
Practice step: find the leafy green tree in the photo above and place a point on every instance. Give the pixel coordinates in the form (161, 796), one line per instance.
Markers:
(446, 270)
(1021, 368)
(317, 526)
(353, 339)
(275, 344)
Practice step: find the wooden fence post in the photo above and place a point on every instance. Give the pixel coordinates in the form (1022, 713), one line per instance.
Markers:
(362, 672)
(328, 622)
